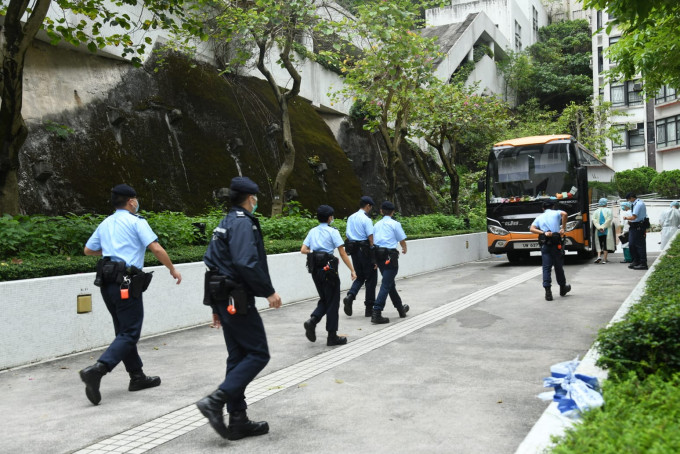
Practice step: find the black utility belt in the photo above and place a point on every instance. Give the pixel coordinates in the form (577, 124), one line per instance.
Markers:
(387, 255)
(132, 281)
(553, 240)
(323, 260)
(219, 289)
(352, 246)
(637, 225)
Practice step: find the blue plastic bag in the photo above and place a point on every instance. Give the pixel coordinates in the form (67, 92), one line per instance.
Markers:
(573, 392)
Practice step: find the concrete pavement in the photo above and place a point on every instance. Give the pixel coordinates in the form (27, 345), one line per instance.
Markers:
(460, 374)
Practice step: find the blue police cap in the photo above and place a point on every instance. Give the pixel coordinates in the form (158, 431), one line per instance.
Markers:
(387, 206)
(124, 189)
(325, 211)
(244, 184)
(366, 199)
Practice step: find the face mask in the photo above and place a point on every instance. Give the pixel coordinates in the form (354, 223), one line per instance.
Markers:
(331, 221)
(254, 206)
(137, 207)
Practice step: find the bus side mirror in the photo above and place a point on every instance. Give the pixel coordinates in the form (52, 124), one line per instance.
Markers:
(481, 185)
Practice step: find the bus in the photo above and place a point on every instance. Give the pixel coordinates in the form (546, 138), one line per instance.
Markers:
(522, 173)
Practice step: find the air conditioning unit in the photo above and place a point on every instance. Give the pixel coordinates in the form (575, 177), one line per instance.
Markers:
(637, 86)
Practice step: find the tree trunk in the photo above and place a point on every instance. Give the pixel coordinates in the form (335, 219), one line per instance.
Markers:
(16, 38)
(391, 170)
(450, 167)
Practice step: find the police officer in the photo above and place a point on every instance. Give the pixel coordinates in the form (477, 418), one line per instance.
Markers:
(387, 234)
(550, 226)
(122, 239)
(319, 245)
(359, 235)
(637, 233)
(236, 251)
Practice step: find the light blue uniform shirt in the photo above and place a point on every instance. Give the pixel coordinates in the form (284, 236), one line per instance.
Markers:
(124, 237)
(549, 221)
(388, 233)
(359, 226)
(639, 210)
(323, 238)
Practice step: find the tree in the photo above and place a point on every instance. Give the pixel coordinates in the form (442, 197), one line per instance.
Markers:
(23, 20)
(589, 124)
(452, 117)
(649, 39)
(556, 69)
(392, 74)
(258, 29)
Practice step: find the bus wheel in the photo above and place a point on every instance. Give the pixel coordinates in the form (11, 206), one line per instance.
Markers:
(517, 257)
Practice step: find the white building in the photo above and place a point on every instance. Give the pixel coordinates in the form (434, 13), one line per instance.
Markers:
(649, 129)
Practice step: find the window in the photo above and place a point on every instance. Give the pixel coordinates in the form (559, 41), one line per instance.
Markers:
(518, 37)
(627, 93)
(650, 132)
(629, 136)
(665, 94)
(600, 60)
(667, 131)
(599, 20)
(535, 15)
(613, 40)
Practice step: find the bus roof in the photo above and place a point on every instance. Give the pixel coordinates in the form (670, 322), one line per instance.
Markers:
(533, 140)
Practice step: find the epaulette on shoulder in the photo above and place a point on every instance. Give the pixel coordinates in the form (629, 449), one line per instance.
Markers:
(138, 216)
(240, 214)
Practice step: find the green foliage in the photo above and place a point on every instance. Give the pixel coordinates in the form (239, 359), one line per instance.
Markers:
(62, 131)
(646, 341)
(667, 184)
(649, 35)
(639, 416)
(636, 180)
(556, 69)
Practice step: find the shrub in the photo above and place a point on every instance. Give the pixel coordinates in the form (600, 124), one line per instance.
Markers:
(633, 180)
(646, 341)
(667, 184)
(639, 416)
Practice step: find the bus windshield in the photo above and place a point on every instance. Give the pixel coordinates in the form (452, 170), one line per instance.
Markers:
(526, 173)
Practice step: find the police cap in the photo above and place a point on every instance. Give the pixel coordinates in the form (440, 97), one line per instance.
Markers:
(124, 190)
(244, 184)
(325, 211)
(387, 206)
(366, 200)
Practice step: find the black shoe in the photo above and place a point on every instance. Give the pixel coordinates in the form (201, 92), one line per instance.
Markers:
(334, 339)
(641, 267)
(564, 289)
(369, 311)
(633, 265)
(212, 407)
(240, 426)
(92, 377)
(548, 294)
(139, 381)
(347, 302)
(403, 310)
(378, 319)
(310, 326)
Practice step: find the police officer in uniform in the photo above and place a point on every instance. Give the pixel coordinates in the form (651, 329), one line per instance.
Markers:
(550, 226)
(359, 235)
(387, 234)
(122, 239)
(319, 245)
(236, 252)
(637, 233)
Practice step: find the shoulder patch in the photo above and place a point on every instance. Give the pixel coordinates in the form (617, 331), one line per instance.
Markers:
(240, 214)
(138, 216)
(254, 227)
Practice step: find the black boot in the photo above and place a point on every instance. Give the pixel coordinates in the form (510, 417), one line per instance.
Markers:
(310, 326)
(564, 289)
(240, 426)
(347, 302)
(92, 377)
(139, 381)
(377, 318)
(369, 309)
(548, 294)
(334, 339)
(212, 407)
(403, 310)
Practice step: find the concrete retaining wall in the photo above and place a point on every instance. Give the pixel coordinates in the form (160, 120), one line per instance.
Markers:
(40, 319)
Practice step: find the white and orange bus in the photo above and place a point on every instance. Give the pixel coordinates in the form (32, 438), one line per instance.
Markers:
(524, 172)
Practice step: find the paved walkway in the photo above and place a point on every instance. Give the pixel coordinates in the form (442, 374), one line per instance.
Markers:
(460, 374)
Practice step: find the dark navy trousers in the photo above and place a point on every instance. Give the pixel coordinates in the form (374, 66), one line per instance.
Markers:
(366, 273)
(328, 286)
(248, 353)
(637, 243)
(387, 287)
(552, 257)
(127, 315)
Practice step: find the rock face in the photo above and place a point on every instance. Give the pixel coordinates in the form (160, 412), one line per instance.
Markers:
(178, 135)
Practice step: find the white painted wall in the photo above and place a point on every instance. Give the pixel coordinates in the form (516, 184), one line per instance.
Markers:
(39, 318)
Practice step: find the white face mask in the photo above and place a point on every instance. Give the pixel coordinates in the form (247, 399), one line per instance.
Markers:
(330, 221)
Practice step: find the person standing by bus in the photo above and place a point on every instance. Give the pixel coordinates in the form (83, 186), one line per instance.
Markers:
(550, 226)
(637, 236)
(603, 224)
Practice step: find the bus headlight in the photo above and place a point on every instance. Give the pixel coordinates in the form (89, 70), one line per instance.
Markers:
(497, 230)
(571, 225)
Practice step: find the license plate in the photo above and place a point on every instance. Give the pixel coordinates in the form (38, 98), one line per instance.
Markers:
(526, 245)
